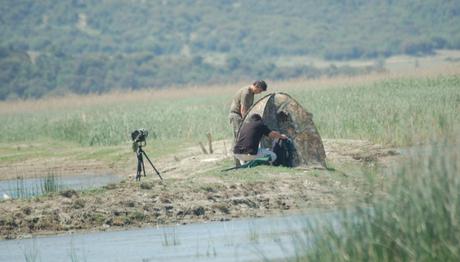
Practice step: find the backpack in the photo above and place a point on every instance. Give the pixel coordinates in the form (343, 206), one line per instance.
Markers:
(284, 150)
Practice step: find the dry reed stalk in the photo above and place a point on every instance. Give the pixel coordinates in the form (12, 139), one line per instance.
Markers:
(203, 148)
(210, 143)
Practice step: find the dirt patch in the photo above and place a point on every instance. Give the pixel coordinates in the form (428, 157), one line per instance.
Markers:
(352, 151)
(194, 189)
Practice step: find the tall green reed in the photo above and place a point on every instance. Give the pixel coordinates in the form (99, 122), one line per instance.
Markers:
(31, 252)
(386, 111)
(398, 111)
(50, 184)
(184, 119)
(24, 188)
(418, 221)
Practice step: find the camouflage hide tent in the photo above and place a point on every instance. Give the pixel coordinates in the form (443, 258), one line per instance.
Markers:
(280, 112)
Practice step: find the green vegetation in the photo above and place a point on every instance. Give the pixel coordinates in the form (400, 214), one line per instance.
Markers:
(400, 112)
(32, 253)
(418, 221)
(56, 47)
(396, 111)
(48, 184)
(254, 235)
(170, 237)
(182, 120)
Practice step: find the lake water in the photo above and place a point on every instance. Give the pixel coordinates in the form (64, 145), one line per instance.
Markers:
(32, 186)
(236, 240)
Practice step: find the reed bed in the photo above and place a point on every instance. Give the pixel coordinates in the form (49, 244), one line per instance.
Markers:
(418, 221)
(23, 189)
(398, 111)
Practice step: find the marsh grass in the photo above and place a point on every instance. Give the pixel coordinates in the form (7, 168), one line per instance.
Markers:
(170, 238)
(210, 250)
(400, 112)
(381, 110)
(50, 184)
(31, 252)
(42, 186)
(253, 234)
(419, 220)
(74, 255)
(182, 120)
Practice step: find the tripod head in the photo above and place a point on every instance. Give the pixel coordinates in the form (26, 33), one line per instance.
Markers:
(138, 145)
(139, 138)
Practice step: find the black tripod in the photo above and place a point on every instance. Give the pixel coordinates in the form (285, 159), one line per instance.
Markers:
(140, 163)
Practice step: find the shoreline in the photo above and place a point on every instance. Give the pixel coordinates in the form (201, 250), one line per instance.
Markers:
(71, 211)
(195, 190)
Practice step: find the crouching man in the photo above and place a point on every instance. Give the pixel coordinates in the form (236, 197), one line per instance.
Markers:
(247, 143)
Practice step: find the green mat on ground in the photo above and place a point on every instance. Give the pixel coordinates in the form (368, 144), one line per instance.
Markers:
(257, 162)
(253, 163)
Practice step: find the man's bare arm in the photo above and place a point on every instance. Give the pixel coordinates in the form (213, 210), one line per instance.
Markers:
(276, 135)
(243, 111)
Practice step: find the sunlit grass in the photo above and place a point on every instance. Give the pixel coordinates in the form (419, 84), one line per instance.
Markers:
(399, 111)
(418, 221)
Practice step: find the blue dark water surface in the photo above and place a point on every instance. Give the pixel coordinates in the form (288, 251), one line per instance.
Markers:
(236, 240)
(32, 186)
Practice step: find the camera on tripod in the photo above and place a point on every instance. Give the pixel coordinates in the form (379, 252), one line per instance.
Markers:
(139, 135)
(139, 140)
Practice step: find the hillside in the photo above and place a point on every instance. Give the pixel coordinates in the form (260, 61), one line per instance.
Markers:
(95, 46)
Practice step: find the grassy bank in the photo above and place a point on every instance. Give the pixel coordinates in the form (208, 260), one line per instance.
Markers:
(419, 221)
(395, 111)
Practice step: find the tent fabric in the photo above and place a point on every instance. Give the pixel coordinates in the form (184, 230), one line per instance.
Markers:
(282, 113)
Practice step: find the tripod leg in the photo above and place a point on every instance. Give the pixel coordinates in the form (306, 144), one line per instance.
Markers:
(143, 167)
(139, 168)
(140, 165)
(158, 173)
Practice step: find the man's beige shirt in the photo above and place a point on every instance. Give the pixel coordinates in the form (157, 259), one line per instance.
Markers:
(244, 97)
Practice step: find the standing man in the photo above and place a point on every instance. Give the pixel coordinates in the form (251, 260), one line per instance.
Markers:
(241, 103)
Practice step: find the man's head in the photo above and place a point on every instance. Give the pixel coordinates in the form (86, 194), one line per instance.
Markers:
(259, 86)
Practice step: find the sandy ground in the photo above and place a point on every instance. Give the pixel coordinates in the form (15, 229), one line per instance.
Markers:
(194, 189)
